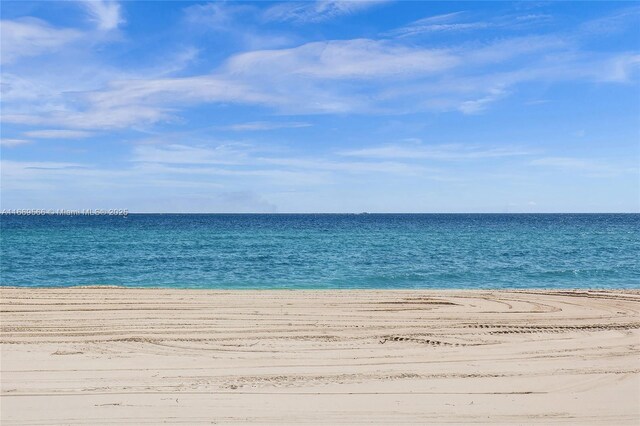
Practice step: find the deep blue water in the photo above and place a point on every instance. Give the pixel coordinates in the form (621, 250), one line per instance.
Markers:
(323, 251)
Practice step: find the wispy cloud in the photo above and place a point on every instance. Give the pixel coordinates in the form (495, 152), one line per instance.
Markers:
(30, 37)
(141, 102)
(223, 154)
(136, 188)
(262, 77)
(366, 75)
(339, 59)
(621, 68)
(94, 118)
(221, 16)
(316, 11)
(58, 134)
(248, 160)
(477, 105)
(447, 152)
(174, 62)
(585, 165)
(107, 15)
(266, 125)
(612, 23)
(227, 106)
(17, 172)
(462, 21)
(9, 143)
(439, 23)
(339, 76)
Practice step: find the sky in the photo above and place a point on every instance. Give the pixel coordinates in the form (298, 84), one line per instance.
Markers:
(320, 106)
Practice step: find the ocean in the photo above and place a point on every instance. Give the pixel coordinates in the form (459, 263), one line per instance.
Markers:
(323, 251)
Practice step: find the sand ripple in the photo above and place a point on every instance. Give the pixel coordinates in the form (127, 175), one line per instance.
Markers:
(147, 356)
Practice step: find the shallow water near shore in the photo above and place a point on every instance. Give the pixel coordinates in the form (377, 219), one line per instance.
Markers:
(323, 250)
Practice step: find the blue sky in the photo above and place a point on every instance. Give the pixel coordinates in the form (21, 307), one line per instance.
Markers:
(321, 106)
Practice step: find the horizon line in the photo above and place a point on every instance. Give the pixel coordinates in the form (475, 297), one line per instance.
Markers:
(74, 212)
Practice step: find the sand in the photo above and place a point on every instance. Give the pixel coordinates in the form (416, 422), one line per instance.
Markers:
(110, 356)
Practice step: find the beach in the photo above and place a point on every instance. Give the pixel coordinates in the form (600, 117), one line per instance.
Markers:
(148, 356)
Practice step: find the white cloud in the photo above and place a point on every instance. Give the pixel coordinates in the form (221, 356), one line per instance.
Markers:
(9, 143)
(419, 151)
(266, 125)
(316, 11)
(438, 23)
(621, 68)
(224, 154)
(254, 176)
(106, 14)
(239, 24)
(18, 88)
(349, 167)
(213, 88)
(133, 116)
(174, 62)
(477, 105)
(612, 23)
(259, 78)
(217, 15)
(31, 37)
(461, 22)
(58, 134)
(585, 165)
(242, 159)
(57, 185)
(340, 59)
(39, 175)
(335, 76)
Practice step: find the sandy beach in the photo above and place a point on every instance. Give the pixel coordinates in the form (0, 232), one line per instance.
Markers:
(150, 356)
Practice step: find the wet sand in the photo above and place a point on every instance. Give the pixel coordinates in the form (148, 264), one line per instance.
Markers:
(148, 356)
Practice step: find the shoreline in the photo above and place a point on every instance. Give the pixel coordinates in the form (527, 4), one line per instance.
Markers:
(94, 354)
(633, 288)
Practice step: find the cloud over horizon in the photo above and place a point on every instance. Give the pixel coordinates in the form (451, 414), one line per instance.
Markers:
(272, 99)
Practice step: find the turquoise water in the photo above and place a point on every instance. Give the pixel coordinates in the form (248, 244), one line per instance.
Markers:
(323, 251)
